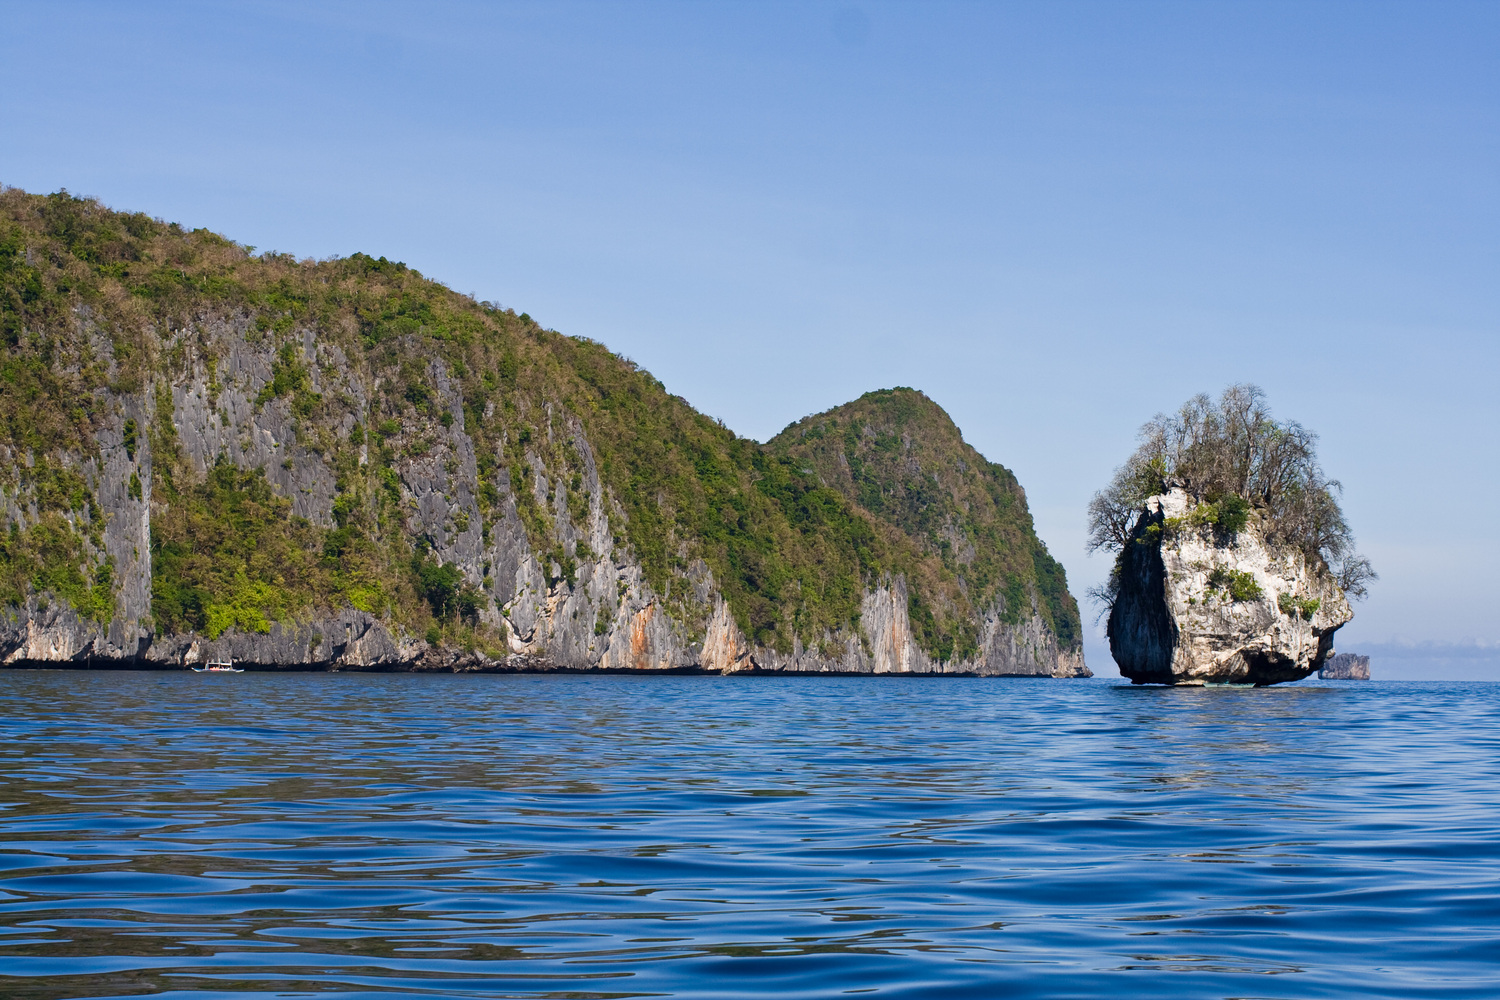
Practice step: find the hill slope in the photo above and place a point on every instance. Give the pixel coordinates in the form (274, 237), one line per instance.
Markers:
(959, 522)
(341, 463)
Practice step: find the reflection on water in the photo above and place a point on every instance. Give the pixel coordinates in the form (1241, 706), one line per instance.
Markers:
(545, 836)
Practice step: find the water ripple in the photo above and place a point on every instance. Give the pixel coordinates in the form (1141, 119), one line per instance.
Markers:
(559, 836)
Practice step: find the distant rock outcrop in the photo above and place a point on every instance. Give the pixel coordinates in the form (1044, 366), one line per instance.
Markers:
(1197, 605)
(1346, 667)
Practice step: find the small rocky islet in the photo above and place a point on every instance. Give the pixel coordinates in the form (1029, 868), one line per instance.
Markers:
(1345, 667)
(1234, 563)
(209, 454)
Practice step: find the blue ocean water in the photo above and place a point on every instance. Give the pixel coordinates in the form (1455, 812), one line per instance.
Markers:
(313, 835)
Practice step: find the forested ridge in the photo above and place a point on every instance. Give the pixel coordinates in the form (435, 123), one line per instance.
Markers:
(98, 306)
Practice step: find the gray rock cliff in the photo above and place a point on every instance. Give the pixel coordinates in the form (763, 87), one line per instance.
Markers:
(601, 616)
(1196, 608)
(1345, 667)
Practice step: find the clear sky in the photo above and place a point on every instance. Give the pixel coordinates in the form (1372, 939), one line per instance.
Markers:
(1056, 218)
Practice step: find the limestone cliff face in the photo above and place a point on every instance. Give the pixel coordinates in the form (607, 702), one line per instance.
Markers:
(1197, 608)
(885, 644)
(605, 617)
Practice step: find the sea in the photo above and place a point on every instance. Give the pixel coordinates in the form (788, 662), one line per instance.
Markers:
(595, 836)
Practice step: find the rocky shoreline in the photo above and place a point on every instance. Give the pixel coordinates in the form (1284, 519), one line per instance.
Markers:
(55, 636)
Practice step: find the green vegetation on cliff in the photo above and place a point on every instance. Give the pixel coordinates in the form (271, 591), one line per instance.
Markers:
(952, 522)
(228, 553)
(99, 307)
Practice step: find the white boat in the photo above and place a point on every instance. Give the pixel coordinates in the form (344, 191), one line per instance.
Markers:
(218, 667)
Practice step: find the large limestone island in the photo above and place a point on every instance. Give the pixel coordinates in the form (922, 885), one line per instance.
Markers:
(1234, 563)
(209, 454)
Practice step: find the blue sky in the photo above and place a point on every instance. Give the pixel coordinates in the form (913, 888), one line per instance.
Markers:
(1056, 219)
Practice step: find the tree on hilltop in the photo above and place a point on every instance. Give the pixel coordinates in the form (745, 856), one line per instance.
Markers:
(1232, 458)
